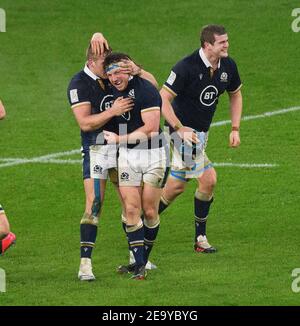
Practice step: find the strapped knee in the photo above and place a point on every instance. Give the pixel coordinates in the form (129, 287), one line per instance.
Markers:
(123, 218)
(89, 219)
(203, 196)
(165, 201)
(135, 227)
(152, 223)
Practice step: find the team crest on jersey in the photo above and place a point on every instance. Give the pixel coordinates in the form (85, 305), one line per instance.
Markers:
(171, 78)
(131, 93)
(200, 76)
(224, 77)
(209, 95)
(126, 116)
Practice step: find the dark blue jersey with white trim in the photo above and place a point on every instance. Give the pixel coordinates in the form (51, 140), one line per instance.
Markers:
(197, 92)
(84, 89)
(145, 97)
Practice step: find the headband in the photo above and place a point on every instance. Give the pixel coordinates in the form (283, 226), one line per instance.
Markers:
(111, 67)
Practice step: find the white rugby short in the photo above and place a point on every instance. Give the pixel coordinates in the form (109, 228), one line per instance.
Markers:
(102, 159)
(138, 166)
(187, 164)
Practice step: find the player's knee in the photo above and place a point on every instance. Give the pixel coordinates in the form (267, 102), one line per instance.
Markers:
(208, 182)
(212, 181)
(178, 188)
(132, 210)
(150, 213)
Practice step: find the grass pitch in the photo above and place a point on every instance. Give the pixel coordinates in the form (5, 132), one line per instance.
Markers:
(254, 220)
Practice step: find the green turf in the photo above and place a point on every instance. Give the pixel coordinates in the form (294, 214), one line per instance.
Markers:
(254, 221)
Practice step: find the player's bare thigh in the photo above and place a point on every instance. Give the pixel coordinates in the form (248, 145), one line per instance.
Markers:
(132, 203)
(150, 201)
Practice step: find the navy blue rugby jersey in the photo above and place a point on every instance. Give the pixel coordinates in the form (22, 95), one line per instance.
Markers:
(197, 92)
(86, 88)
(145, 96)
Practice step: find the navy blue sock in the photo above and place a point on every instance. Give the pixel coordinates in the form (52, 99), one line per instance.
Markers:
(88, 230)
(88, 234)
(136, 243)
(150, 236)
(162, 207)
(124, 227)
(201, 209)
(163, 204)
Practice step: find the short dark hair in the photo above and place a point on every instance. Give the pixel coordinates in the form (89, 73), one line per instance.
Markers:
(90, 55)
(115, 57)
(208, 33)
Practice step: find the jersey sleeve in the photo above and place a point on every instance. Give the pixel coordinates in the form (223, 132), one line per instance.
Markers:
(176, 81)
(235, 82)
(78, 93)
(151, 99)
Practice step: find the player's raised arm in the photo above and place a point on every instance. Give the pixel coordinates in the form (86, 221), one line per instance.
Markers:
(99, 43)
(130, 67)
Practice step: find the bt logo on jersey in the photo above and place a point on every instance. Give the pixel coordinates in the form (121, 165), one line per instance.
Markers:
(209, 95)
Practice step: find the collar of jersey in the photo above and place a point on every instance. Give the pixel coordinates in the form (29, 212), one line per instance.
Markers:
(205, 60)
(90, 73)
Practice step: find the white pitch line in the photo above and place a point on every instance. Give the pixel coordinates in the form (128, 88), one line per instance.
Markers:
(51, 158)
(42, 158)
(258, 116)
(54, 161)
(246, 165)
(222, 164)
